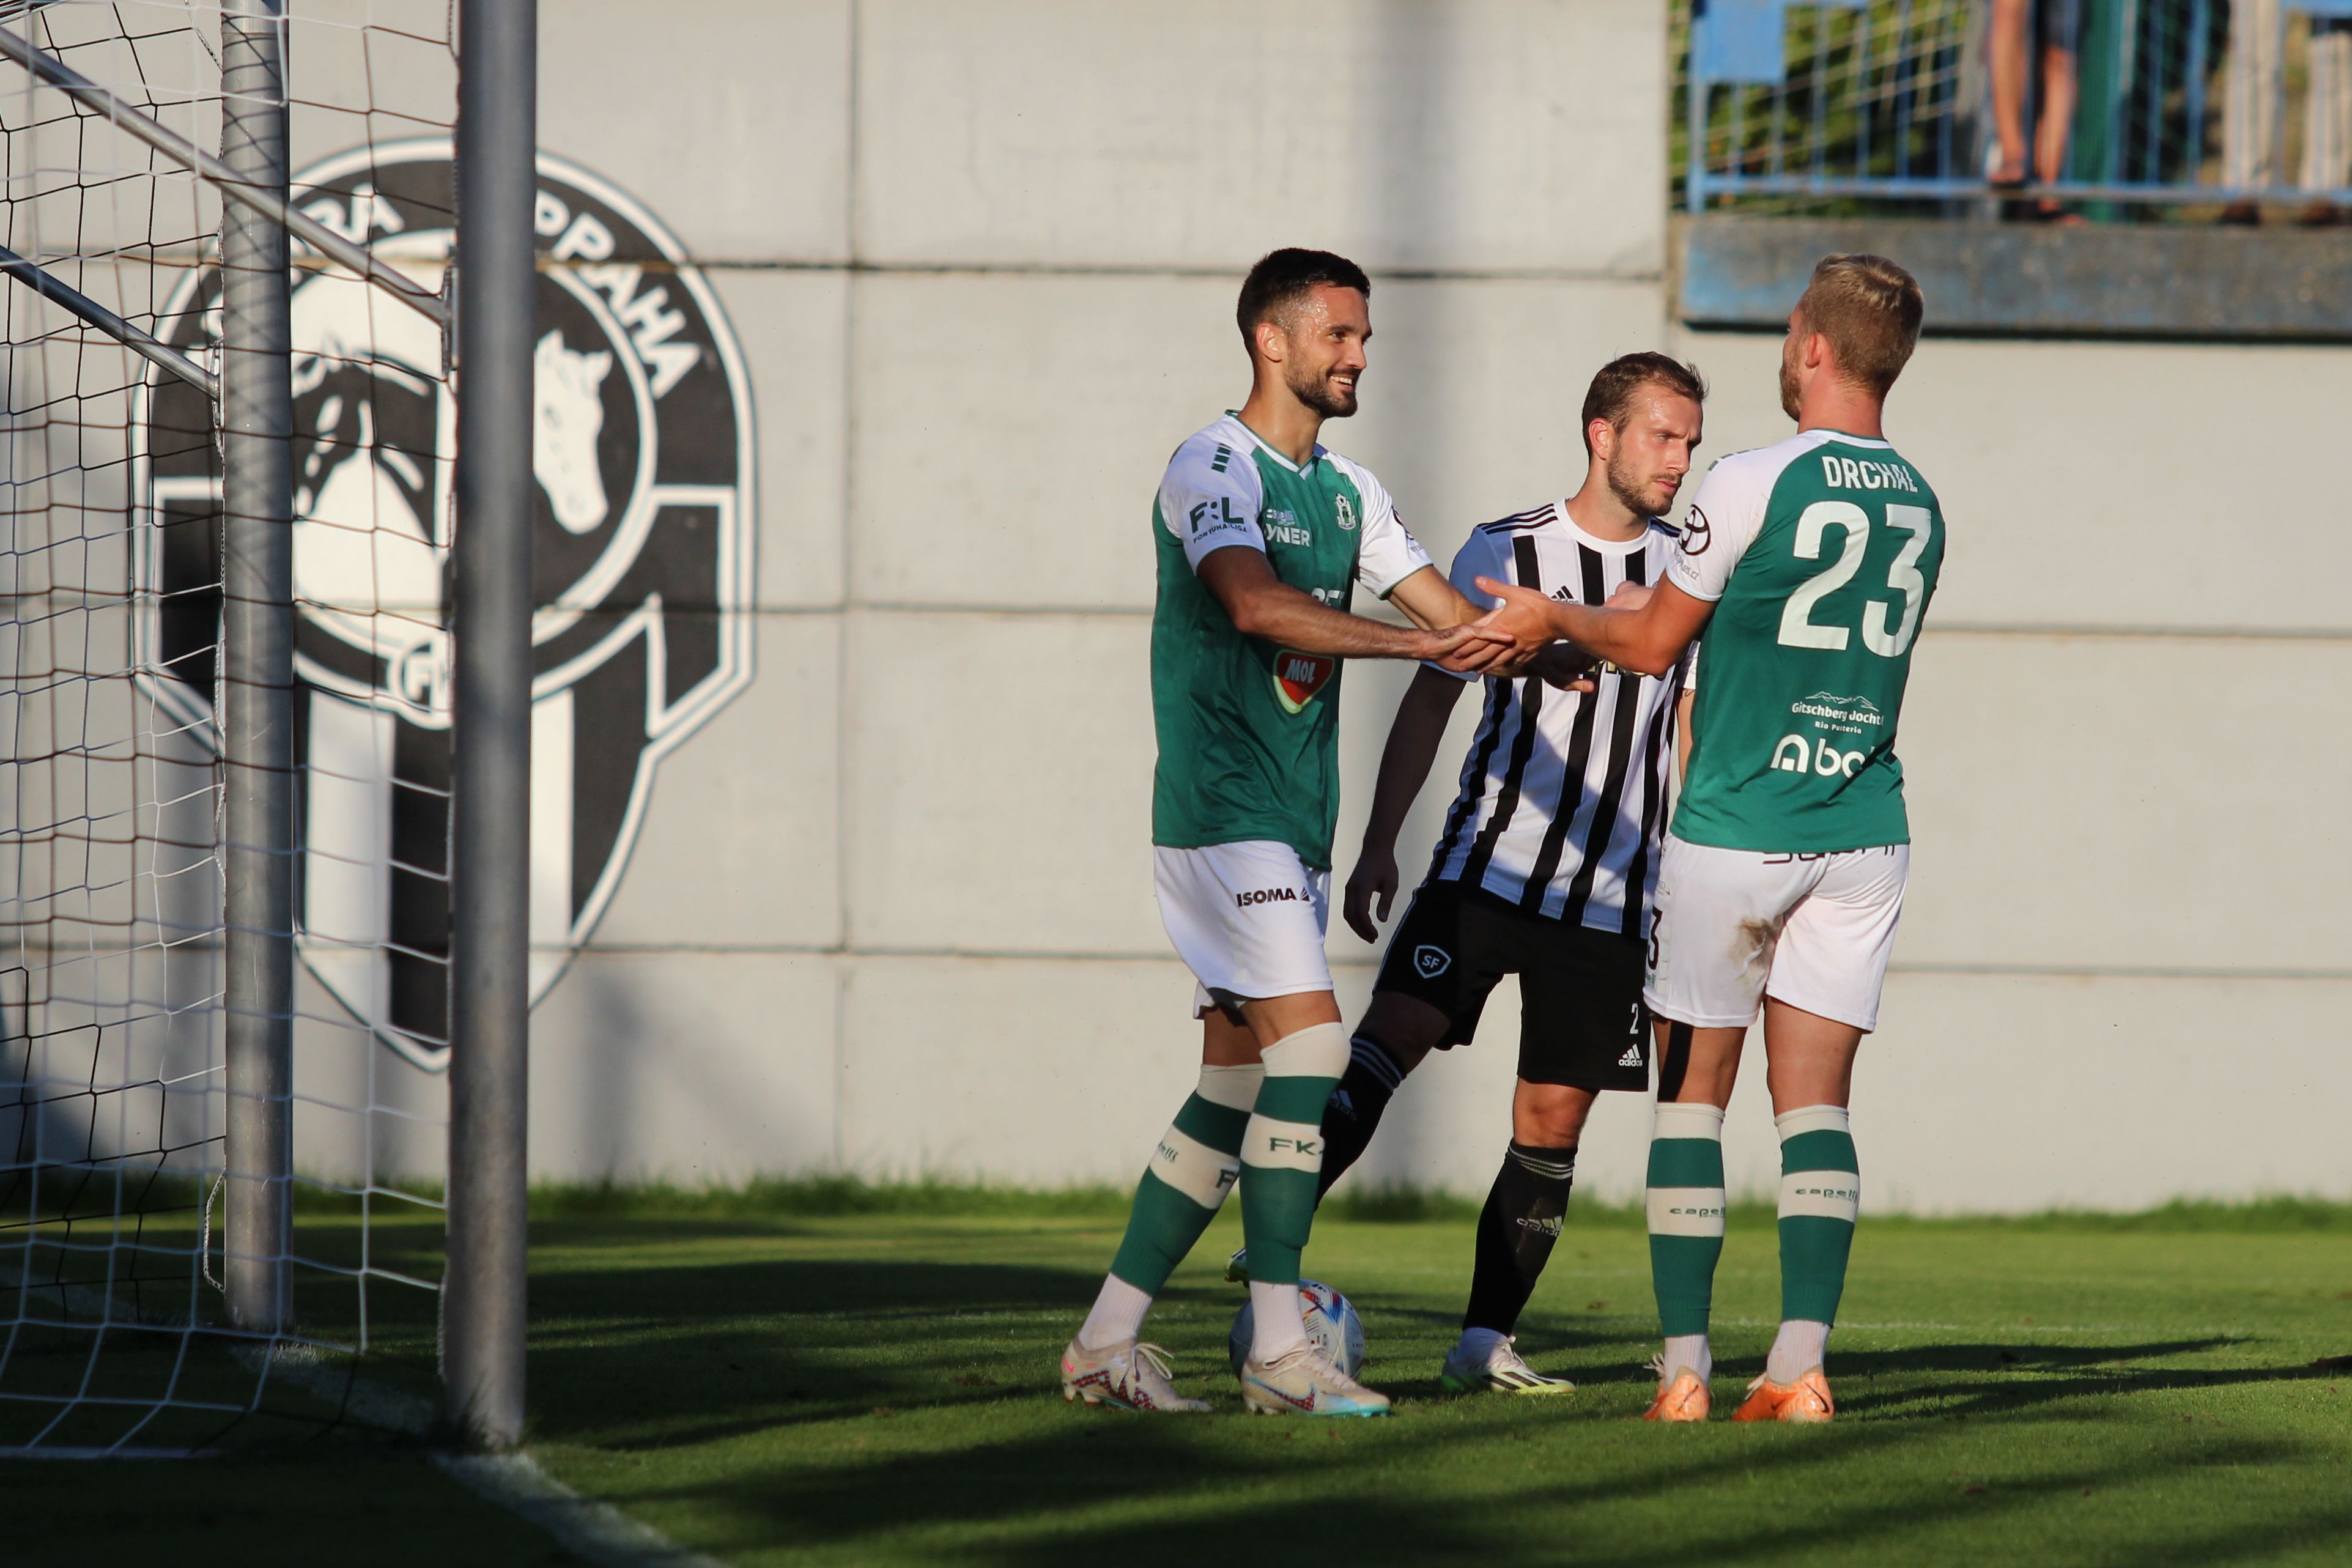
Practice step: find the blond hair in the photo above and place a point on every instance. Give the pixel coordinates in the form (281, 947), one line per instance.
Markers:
(1869, 310)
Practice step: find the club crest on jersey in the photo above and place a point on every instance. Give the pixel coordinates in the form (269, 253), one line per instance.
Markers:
(1430, 962)
(1347, 510)
(1299, 678)
(642, 447)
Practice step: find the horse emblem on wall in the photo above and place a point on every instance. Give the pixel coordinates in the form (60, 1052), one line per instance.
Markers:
(642, 444)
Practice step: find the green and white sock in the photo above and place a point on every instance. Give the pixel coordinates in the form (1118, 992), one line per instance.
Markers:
(1191, 1172)
(1821, 1193)
(1685, 1207)
(1281, 1154)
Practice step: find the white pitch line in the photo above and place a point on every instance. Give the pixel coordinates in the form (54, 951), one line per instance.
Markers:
(595, 1531)
(584, 1526)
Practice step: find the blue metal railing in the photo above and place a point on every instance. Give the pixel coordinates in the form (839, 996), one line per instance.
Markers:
(2180, 102)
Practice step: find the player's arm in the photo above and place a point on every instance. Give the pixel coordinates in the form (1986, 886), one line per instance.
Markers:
(1648, 630)
(1413, 738)
(1685, 738)
(1647, 639)
(1263, 606)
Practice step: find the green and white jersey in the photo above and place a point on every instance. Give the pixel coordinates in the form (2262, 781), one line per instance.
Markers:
(1248, 730)
(1820, 555)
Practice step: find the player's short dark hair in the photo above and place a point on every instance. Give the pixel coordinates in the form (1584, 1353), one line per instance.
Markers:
(1610, 395)
(1869, 308)
(1283, 277)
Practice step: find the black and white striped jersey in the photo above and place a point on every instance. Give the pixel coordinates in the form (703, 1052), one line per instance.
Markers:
(1563, 796)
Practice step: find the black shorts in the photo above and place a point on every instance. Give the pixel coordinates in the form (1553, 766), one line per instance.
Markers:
(1581, 1017)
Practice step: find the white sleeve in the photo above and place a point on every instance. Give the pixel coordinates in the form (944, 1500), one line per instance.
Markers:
(1690, 669)
(1388, 553)
(1481, 555)
(1723, 522)
(1211, 499)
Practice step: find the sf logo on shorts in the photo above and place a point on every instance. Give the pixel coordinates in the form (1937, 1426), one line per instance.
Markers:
(1430, 962)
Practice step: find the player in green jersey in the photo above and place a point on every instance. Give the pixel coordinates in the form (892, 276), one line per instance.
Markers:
(1809, 566)
(1263, 536)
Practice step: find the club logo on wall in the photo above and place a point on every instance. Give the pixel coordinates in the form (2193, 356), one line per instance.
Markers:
(641, 444)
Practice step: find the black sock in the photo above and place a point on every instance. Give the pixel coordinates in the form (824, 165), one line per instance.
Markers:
(1515, 1233)
(1352, 1114)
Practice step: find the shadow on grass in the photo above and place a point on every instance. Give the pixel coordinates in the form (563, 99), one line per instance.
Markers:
(882, 1410)
(1101, 1489)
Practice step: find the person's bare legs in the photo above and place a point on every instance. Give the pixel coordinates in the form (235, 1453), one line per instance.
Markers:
(2053, 128)
(2007, 53)
(1808, 1060)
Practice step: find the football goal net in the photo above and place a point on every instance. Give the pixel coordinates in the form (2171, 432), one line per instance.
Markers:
(228, 691)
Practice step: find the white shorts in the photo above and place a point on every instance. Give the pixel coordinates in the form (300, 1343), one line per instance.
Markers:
(1736, 925)
(1247, 920)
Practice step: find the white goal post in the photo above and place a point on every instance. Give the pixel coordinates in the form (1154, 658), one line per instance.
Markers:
(262, 860)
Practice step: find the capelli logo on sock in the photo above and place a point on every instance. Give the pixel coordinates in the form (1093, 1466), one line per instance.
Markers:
(1713, 1211)
(1842, 1194)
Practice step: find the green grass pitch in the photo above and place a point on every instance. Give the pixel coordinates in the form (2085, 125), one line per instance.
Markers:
(877, 1387)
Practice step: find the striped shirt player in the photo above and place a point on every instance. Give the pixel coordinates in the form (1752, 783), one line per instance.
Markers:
(1547, 859)
(1549, 856)
(1563, 793)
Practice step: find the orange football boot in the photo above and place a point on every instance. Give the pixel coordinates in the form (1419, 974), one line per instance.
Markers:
(1684, 1397)
(1805, 1400)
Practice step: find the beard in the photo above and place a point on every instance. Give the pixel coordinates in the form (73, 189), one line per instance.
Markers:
(1319, 393)
(1788, 387)
(1638, 495)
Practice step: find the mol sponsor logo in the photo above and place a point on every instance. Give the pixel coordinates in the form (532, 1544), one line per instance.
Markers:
(1300, 677)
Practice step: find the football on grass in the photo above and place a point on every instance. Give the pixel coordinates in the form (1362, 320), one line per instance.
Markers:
(1332, 1323)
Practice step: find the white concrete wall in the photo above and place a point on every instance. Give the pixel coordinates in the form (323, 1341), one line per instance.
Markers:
(891, 911)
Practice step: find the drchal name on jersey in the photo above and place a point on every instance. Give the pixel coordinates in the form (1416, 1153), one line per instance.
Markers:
(1851, 474)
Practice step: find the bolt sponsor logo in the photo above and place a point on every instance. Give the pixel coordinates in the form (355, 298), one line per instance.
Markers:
(1271, 896)
(1300, 677)
(1795, 754)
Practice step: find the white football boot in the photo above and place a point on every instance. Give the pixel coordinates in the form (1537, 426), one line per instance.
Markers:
(1301, 1381)
(1483, 1361)
(1130, 1375)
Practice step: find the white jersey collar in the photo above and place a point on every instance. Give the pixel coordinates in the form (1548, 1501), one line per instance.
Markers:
(1234, 417)
(1827, 432)
(1575, 531)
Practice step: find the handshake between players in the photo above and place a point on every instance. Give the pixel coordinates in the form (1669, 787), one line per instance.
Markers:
(1628, 908)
